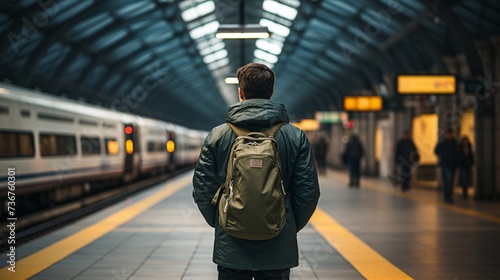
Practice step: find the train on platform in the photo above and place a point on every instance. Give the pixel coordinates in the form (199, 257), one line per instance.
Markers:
(60, 149)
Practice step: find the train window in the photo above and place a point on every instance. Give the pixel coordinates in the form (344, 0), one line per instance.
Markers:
(51, 117)
(112, 146)
(151, 146)
(90, 145)
(16, 144)
(57, 145)
(108, 125)
(25, 113)
(86, 122)
(155, 147)
(4, 110)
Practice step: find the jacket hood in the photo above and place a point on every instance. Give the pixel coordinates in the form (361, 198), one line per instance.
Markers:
(257, 113)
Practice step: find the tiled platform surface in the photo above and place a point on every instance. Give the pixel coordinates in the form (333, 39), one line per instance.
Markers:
(415, 231)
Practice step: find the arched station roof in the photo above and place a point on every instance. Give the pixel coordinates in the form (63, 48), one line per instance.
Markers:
(160, 58)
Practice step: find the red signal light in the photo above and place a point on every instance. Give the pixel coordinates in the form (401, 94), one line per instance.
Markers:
(128, 130)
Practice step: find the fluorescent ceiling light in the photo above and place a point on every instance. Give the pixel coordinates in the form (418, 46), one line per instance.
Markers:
(231, 80)
(247, 31)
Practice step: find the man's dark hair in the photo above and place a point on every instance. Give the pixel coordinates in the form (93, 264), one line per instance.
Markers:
(256, 80)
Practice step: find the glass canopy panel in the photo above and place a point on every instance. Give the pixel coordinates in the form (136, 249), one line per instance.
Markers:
(88, 27)
(67, 10)
(135, 9)
(198, 11)
(346, 8)
(339, 57)
(311, 46)
(134, 63)
(413, 4)
(329, 65)
(170, 45)
(95, 75)
(277, 19)
(202, 24)
(215, 56)
(5, 22)
(74, 69)
(375, 24)
(275, 28)
(320, 73)
(108, 39)
(158, 36)
(124, 50)
(139, 25)
(49, 66)
(210, 46)
(26, 3)
(270, 46)
(281, 10)
(204, 30)
(218, 63)
(108, 84)
(52, 53)
(270, 58)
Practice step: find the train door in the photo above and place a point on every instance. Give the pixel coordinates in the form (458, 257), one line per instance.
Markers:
(131, 145)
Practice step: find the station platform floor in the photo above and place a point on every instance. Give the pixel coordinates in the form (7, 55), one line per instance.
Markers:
(371, 232)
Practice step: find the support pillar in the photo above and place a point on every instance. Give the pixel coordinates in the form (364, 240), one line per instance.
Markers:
(364, 127)
(486, 126)
(336, 147)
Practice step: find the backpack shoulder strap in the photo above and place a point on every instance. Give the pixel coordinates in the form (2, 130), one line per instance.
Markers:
(238, 130)
(274, 130)
(271, 131)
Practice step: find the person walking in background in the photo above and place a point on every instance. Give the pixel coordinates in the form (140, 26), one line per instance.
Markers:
(353, 154)
(320, 151)
(406, 156)
(243, 259)
(447, 150)
(465, 162)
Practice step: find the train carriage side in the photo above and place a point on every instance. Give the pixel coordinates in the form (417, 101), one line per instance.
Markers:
(153, 139)
(57, 147)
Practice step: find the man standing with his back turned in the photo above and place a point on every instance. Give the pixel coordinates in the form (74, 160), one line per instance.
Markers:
(265, 259)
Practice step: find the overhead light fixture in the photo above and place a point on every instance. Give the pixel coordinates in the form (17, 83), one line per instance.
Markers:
(246, 31)
(231, 80)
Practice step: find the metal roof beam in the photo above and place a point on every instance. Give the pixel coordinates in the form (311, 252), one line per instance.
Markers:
(465, 42)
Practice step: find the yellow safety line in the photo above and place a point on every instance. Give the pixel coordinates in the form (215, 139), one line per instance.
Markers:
(40, 260)
(365, 260)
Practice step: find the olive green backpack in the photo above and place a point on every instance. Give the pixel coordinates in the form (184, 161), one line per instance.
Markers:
(251, 202)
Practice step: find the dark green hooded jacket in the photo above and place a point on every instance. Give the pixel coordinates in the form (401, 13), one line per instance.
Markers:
(299, 178)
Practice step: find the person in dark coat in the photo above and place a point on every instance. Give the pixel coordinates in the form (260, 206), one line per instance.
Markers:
(406, 156)
(353, 154)
(320, 151)
(465, 162)
(269, 259)
(447, 150)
